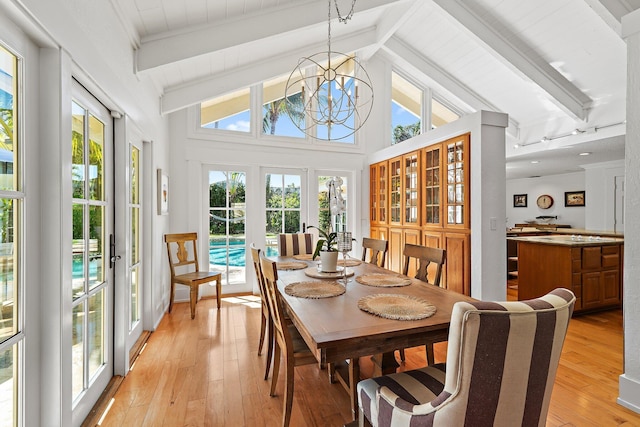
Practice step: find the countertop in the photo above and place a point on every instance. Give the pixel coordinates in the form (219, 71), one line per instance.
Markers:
(571, 240)
(563, 231)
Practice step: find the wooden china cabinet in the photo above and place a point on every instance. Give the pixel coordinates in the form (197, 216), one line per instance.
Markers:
(429, 199)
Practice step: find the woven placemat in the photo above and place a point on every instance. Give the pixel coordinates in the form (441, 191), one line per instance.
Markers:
(291, 265)
(397, 307)
(304, 257)
(313, 272)
(350, 262)
(314, 289)
(383, 280)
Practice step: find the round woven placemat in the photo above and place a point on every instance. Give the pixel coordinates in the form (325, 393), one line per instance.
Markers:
(383, 280)
(304, 257)
(350, 262)
(397, 307)
(291, 265)
(313, 272)
(314, 289)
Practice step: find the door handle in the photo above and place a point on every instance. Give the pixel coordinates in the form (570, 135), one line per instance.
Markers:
(112, 251)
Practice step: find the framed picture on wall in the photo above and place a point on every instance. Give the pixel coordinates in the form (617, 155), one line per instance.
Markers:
(519, 200)
(574, 198)
(163, 193)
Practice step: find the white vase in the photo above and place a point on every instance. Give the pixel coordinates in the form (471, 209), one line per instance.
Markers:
(328, 261)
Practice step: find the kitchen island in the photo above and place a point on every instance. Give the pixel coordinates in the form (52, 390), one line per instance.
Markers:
(589, 265)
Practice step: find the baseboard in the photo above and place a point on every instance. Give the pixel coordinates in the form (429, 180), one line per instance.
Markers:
(629, 393)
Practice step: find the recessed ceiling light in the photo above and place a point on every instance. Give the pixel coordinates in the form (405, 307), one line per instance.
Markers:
(535, 161)
(586, 153)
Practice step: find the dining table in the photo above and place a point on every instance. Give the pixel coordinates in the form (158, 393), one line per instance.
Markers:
(344, 325)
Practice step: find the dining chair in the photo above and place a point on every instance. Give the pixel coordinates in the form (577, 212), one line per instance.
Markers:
(424, 257)
(501, 365)
(288, 342)
(180, 257)
(290, 244)
(377, 250)
(266, 324)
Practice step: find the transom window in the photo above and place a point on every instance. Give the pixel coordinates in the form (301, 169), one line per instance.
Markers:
(406, 109)
(275, 119)
(227, 112)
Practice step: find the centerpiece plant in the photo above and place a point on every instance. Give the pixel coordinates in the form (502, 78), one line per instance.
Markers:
(327, 241)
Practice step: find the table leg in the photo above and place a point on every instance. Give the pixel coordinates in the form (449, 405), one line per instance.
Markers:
(384, 364)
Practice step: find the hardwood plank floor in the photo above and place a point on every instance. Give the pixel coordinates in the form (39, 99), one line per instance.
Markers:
(206, 372)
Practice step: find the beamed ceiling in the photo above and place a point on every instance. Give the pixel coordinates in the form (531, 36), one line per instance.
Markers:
(553, 65)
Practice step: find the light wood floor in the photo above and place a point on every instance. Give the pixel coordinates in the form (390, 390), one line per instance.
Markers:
(206, 372)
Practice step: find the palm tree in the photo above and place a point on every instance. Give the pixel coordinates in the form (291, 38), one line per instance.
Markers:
(274, 109)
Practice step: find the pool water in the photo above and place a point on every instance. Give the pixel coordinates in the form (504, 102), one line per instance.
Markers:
(237, 253)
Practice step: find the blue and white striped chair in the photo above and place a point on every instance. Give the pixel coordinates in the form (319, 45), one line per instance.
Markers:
(501, 365)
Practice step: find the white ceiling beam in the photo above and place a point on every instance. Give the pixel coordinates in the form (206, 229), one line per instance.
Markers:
(188, 94)
(521, 58)
(393, 19)
(611, 12)
(403, 52)
(171, 47)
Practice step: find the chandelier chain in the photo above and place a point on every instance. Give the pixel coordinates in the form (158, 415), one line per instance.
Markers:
(341, 18)
(349, 15)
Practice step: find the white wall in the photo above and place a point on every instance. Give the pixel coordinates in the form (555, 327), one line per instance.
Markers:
(555, 186)
(629, 394)
(600, 183)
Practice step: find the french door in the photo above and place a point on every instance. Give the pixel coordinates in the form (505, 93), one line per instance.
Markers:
(129, 247)
(227, 226)
(91, 287)
(285, 205)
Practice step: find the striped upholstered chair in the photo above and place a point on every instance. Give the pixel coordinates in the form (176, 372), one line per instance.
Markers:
(290, 244)
(501, 365)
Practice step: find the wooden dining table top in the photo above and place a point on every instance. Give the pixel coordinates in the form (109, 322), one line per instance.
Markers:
(337, 329)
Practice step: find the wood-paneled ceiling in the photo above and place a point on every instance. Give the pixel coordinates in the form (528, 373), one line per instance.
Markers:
(553, 65)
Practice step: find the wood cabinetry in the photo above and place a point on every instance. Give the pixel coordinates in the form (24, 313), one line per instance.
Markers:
(591, 271)
(428, 204)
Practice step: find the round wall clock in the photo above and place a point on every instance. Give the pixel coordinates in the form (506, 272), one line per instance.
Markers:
(545, 201)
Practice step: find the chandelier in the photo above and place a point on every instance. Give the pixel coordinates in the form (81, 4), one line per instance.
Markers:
(333, 102)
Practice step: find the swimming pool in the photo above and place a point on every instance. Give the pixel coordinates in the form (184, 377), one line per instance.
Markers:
(236, 250)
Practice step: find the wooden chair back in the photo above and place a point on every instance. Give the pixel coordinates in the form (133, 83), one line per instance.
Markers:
(425, 257)
(377, 250)
(270, 276)
(182, 242)
(266, 325)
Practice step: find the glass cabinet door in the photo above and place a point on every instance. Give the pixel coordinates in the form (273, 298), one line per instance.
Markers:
(373, 194)
(431, 182)
(395, 190)
(411, 188)
(382, 192)
(457, 182)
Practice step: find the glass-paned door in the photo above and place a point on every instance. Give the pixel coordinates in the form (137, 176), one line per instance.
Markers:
(227, 225)
(338, 222)
(284, 208)
(134, 243)
(12, 335)
(91, 287)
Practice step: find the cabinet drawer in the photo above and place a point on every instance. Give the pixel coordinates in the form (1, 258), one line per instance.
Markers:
(610, 260)
(591, 258)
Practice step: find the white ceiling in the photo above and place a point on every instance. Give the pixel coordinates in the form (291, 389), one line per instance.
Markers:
(553, 65)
